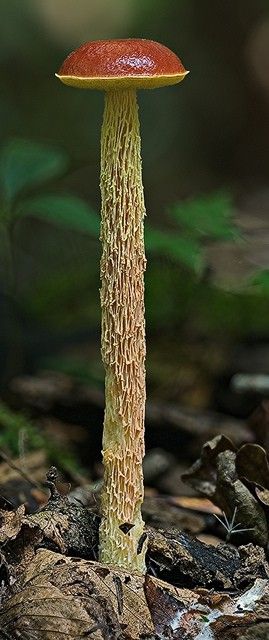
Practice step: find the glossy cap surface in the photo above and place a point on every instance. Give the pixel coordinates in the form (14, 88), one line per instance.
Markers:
(121, 64)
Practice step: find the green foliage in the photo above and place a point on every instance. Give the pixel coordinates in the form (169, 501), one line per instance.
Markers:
(90, 372)
(25, 164)
(68, 297)
(66, 211)
(180, 248)
(260, 281)
(207, 217)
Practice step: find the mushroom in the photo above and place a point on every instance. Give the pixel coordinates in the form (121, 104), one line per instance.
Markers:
(119, 67)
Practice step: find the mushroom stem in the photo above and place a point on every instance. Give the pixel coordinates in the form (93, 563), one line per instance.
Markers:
(123, 331)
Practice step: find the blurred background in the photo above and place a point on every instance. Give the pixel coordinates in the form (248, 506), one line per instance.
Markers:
(205, 150)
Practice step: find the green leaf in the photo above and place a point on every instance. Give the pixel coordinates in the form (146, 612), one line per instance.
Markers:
(183, 249)
(209, 216)
(25, 164)
(260, 280)
(67, 211)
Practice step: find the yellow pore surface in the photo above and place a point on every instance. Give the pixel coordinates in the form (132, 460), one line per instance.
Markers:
(122, 82)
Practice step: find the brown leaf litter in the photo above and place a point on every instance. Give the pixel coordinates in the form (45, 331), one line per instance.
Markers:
(235, 479)
(61, 597)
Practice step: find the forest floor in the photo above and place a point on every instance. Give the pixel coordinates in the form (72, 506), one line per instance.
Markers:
(206, 511)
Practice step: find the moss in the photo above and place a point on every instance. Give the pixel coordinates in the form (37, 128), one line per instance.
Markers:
(17, 431)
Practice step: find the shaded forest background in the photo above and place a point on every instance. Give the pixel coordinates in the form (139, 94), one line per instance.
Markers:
(205, 151)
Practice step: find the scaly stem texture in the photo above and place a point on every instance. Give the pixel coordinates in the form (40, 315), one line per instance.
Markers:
(123, 332)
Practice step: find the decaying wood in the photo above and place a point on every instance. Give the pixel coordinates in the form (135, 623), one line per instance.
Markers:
(180, 559)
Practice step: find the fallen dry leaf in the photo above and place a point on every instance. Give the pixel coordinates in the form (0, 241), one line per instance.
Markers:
(11, 523)
(252, 464)
(53, 526)
(232, 492)
(202, 475)
(207, 538)
(259, 424)
(195, 504)
(224, 475)
(69, 597)
(60, 597)
(263, 495)
(60, 525)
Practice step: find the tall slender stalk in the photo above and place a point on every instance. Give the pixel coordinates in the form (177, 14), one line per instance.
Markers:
(123, 331)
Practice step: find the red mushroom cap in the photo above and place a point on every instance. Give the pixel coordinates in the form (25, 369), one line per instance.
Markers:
(121, 64)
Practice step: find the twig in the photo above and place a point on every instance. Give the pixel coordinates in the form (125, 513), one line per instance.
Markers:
(20, 471)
